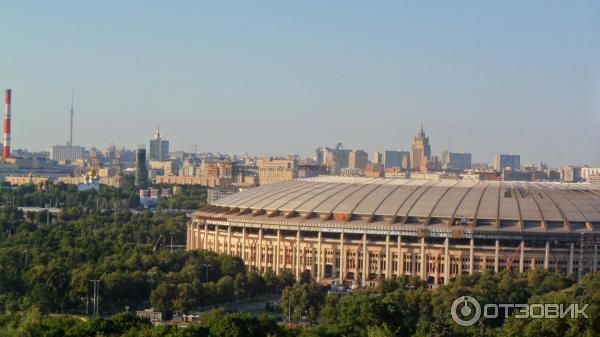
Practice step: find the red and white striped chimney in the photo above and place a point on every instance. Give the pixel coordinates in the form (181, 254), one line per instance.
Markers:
(6, 139)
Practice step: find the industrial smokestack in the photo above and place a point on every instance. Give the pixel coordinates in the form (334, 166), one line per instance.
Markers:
(6, 139)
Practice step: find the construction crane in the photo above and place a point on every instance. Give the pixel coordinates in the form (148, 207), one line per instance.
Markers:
(157, 242)
(509, 262)
(192, 146)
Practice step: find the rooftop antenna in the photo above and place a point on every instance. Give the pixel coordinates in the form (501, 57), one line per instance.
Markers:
(71, 124)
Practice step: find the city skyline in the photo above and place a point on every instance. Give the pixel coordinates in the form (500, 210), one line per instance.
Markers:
(483, 79)
(82, 149)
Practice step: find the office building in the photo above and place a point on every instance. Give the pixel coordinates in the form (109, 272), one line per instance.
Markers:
(321, 154)
(392, 158)
(358, 159)
(585, 173)
(63, 153)
(141, 169)
(571, 174)
(159, 148)
(456, 161)
(503, 161)
(377, 157)
(335, 159)
(395, 159)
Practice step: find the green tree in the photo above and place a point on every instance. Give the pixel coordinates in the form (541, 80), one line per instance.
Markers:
(255, 284)
(162, 298)
(305, 301)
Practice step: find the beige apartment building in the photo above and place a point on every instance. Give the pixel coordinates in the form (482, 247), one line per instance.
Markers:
(272, 171)
(26, 180)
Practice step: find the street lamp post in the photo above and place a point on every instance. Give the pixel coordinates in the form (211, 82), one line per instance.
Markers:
(26, 256)
(206, 265)
(96, 284)
(290, 306)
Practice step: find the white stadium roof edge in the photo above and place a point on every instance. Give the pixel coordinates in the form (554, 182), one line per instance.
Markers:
(508, 206)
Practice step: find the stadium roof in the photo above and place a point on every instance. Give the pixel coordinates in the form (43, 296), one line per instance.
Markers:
(484, 205)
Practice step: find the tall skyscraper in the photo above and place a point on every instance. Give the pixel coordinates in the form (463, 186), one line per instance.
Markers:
(321, 154)
(159, 148)
(358, 159)
(502, 161)
(394, 158)
(338, 159)
(141, 170)
(421, 151)
(335, 159)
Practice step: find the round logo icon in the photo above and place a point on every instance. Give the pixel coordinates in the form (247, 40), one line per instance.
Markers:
(469, 307)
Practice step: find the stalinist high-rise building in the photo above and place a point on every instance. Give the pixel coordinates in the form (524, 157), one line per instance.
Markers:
(421, 152)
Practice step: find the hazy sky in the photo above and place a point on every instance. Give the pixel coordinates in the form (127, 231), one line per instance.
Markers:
(285, 77)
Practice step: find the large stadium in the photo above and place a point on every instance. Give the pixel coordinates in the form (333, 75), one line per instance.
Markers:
(357, 231)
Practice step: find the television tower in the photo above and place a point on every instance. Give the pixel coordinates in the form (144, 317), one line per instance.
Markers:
(71, 124)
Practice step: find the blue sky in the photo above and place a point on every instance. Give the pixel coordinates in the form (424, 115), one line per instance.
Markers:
(279, 77)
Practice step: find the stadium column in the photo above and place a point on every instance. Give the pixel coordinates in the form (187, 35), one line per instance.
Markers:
(244, 244)
(194, 236)
(595, 260)
(547, 255)
(205, 239)
(277, 251)
(497, 256)
(423, 260)
(189, 237)
(259, 250)
(217, 248)
(388, 258)
(571, 255)
(522, 257)
(471, 256)
(400, 257)
(436, 279)
(342, 259)
(379, 253)
(298, 254)
(365, 261)
(197, 242)
(320, 259)
(447, 261)
(229, 240)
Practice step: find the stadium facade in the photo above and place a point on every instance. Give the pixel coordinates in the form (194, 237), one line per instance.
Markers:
(360, 230)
